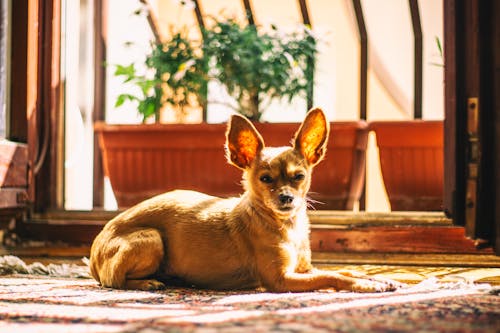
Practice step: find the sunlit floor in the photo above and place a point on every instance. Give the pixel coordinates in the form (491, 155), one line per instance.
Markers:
(448, 303)
(416, 274)
(410, 273)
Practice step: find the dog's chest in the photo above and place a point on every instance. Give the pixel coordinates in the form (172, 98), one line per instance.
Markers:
(294, 246)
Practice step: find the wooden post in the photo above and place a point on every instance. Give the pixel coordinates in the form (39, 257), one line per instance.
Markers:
(417, 40)
(100, 44)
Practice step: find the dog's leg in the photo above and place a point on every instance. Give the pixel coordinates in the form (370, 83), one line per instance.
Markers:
(127, 261)
(359, 275)
(296, 282)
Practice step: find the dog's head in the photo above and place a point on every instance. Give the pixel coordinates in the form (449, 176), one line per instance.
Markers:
(277, 179)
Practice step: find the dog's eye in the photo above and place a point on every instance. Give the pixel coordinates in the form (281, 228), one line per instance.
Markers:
(266, 179)
(299, 177)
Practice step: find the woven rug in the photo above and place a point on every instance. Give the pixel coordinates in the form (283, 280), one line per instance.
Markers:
(44, 303)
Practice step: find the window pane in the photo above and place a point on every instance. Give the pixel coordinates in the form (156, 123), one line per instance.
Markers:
(77, 74)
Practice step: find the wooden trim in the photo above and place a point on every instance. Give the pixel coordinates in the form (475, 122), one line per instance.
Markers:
(418, 50)
(100, 45)
(363, 70)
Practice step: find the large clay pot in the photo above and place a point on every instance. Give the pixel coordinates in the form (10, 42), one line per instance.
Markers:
(144, 160)
(411, 160)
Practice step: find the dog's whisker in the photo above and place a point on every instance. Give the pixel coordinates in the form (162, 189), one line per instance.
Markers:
(310, 203)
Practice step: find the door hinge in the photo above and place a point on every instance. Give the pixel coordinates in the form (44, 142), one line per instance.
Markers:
(473, 161)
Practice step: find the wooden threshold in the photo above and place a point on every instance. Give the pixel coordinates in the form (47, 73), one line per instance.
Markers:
(331, 232)
(407, 259)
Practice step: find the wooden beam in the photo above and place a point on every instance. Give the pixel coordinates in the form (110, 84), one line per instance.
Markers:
(204, 90)
(153, 21)
(249, 12)
(306, 20)
(417, 41)
(199, 15)
(304, 12)
(363, 70)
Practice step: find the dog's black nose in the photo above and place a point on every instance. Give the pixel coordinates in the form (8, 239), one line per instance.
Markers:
(285, 198)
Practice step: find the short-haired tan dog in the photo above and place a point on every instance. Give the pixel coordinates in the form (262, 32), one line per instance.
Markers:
(260, 239)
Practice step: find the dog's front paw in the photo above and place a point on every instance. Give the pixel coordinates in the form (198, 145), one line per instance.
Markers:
(371, 286)
(146, 285)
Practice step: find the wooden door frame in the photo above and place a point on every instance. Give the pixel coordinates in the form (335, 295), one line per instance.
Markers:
(471, 71)
(43, 96)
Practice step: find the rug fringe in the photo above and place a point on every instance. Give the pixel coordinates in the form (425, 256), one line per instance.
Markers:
(15, 265)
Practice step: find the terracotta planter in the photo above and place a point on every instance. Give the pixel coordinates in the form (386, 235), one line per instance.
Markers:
(144, 160)
(411, 160)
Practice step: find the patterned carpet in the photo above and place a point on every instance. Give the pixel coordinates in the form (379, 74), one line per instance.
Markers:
(32, 302)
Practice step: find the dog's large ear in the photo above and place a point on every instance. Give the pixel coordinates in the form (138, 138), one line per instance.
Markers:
(243, 142)
(312, 136)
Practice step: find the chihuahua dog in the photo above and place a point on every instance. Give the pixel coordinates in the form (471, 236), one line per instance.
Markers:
(260, 239)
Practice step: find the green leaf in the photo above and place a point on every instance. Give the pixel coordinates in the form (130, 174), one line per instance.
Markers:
(438, 43)
(128, 71)
(124, 97)
(120, 100)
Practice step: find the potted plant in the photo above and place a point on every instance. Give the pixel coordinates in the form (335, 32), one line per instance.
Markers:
(143, 160)
(257, 66)
(176, 77)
